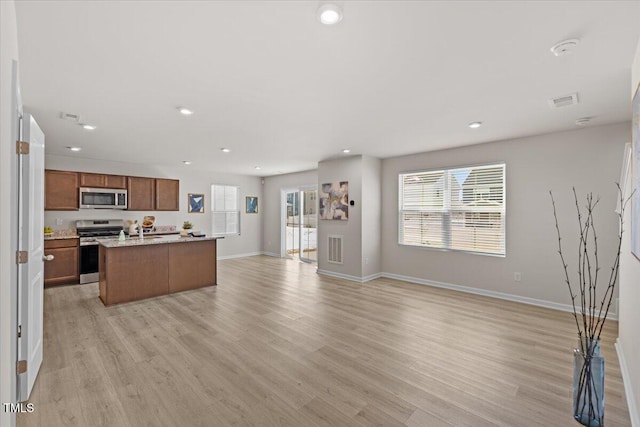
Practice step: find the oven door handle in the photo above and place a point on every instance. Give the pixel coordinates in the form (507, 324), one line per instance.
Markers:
(48, 258)
(89, 243)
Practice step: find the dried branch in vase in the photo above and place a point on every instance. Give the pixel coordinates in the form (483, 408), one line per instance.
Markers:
(589, 313)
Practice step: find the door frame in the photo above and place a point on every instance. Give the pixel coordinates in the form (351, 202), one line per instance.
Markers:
(9, 268)
(283, 217)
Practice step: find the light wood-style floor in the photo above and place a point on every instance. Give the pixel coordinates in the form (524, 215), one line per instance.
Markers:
(275, 344)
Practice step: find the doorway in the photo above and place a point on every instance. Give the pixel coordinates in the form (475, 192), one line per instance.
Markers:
(300, 232)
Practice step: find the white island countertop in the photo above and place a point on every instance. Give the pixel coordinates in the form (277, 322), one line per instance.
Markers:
(153, 240)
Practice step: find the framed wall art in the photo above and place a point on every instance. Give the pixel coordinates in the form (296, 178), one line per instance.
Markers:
(334, 201)
(195, 203)
(252, 204)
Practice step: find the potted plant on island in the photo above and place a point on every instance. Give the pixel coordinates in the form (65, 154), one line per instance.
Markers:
(186, 226)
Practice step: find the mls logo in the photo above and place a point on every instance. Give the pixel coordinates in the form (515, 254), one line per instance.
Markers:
(19, 407)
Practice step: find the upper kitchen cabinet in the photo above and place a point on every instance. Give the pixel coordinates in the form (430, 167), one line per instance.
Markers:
(167, 194)
(60, 190)
(141, 193)
(95, 180)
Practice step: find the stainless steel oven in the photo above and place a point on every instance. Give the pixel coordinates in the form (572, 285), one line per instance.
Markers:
(90, 232)
(103, 198)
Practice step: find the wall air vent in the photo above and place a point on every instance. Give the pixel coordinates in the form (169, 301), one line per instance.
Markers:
(335, 249)
(71, 117)
(564, 101)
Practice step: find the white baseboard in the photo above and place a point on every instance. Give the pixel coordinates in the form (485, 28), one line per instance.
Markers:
(350, 277)
(372, 277)
(477, 291)
(239, 255)
(626, 380)
(488, 293)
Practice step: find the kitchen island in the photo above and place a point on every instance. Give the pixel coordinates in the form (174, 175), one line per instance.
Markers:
(156, 265)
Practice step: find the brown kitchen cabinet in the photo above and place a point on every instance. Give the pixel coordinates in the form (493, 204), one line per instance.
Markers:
(64, 268)
(141, 193)
(167, 194)
(96, 180)
(60, 190)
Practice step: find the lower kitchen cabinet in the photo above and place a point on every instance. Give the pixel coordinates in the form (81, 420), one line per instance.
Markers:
(64, 268)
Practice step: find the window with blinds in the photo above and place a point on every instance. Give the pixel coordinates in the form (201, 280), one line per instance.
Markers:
(458, 209)
(225, 211)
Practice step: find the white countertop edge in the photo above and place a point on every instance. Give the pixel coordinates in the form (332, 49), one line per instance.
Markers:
(114, 243)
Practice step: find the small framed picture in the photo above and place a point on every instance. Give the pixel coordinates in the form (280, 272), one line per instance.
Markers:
(252, 204)
(196, 203)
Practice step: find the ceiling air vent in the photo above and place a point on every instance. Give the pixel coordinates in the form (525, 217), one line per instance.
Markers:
(564, 101)
(71, 117)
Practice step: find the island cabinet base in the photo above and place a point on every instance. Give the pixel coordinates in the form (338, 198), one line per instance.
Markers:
(192, 265)
(132, 273)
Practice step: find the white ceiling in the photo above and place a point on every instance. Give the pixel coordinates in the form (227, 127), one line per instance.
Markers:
(266, 80)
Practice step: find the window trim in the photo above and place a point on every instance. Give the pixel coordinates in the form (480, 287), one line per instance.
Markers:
(448, 168)
(238, 211)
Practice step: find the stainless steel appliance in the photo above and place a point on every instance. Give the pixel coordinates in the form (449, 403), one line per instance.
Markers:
(91, 232)
(103, 198)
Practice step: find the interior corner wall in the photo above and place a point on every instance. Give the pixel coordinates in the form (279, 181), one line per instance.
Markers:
(192, 180)
(8, 54)
(588, 159)
(371, 216)
(629, 318)
(330, 171)
(272, 206)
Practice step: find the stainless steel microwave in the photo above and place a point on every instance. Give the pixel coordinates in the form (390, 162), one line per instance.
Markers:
(103, 198)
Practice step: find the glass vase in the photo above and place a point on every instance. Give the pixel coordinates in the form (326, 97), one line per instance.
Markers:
(588, 383)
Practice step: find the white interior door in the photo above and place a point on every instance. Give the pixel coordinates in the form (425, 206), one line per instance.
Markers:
(31, 240)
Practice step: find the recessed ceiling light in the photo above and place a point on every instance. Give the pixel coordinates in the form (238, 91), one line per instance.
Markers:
(88, 127)
(185, 111)
(475, 125)
(257, 168)
(186, 162)
(346, 151)
(225, 150)
(564, 47)
(74, 148)
(329, 14)
(583, 121)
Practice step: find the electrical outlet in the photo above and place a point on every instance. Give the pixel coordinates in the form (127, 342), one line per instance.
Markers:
(366, 260)
(269, 243)
(517, 276)
(58, 221)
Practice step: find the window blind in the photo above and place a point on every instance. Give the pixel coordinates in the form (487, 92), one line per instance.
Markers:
(459, 209)
(225, 209)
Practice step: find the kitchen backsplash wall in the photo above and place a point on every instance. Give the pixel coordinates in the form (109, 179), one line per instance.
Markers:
(192, 180)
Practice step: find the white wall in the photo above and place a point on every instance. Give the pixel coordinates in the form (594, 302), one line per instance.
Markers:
(371, 216)
(8, 54)
(271, 205)
(192, 180)
(588, 159)
(629, 324)
(345, 169)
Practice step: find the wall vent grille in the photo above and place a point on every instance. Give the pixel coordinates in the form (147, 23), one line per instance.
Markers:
(335, 249)
(70, 117)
